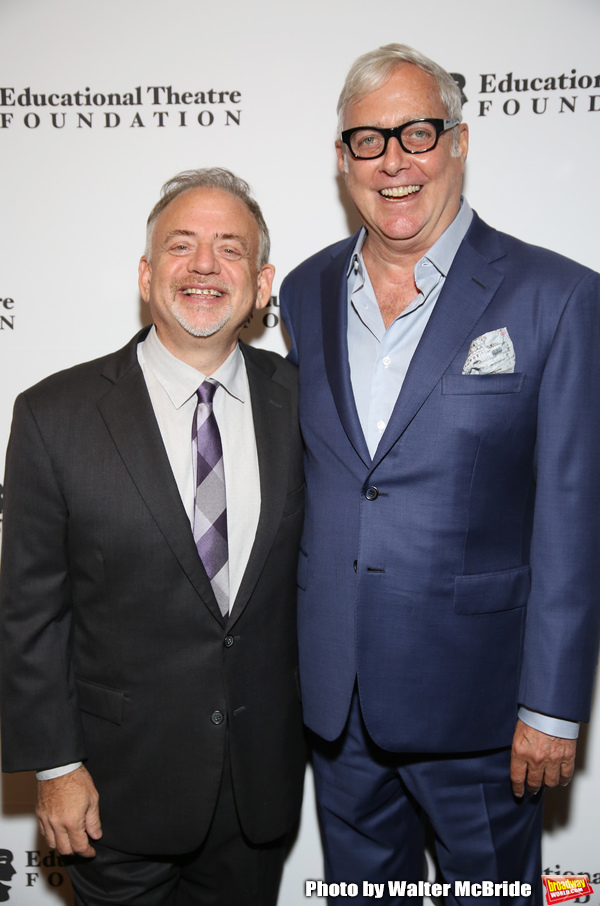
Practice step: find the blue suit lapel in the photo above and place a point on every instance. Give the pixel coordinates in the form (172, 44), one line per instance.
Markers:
(334, 313)
(469, 288)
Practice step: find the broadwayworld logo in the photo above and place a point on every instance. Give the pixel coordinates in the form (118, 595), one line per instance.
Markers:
(560, 888)
(87, 108)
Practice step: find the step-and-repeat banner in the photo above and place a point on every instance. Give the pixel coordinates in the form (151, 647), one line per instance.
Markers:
(101, 102)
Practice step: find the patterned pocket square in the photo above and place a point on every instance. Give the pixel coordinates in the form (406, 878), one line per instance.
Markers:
(491, 353)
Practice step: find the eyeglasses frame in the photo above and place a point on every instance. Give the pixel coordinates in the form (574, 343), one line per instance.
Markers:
(440, 126)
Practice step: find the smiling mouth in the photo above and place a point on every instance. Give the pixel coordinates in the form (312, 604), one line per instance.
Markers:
(399, 191)
(198, 291)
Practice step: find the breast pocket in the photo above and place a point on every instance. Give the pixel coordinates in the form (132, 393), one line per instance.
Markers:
(480, 384)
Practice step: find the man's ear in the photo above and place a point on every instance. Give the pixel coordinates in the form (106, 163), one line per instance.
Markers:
(341, 156)
(265, 283)
(463, 141)
(144, 278)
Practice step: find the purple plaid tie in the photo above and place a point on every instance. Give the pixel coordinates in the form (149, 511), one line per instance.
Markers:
(210, 510)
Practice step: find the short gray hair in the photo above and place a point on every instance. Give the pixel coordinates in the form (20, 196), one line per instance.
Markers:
(370, 71)
(210, 178)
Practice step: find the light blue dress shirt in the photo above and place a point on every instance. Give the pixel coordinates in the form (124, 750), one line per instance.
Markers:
(379, 358)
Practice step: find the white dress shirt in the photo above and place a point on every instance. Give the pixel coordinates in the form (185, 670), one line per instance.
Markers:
(172, 385)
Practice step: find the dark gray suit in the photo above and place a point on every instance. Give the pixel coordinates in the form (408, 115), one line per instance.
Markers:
(115, 651)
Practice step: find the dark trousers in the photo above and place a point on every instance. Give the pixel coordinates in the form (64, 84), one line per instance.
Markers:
(374, 807)
(226, 870)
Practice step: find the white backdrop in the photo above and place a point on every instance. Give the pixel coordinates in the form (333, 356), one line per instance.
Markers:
(77, 182)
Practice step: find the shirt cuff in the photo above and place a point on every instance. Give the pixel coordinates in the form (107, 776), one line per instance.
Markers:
(51, 773)
(553, 726)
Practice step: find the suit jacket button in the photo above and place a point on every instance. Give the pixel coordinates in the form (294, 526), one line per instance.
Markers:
(371, 493)
(228, 641)
(217, 717)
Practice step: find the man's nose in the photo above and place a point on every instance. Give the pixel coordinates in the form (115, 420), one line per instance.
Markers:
(395, 157)
(204, 260)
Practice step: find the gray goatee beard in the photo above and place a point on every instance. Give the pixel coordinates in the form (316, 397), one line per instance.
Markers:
(208, 330)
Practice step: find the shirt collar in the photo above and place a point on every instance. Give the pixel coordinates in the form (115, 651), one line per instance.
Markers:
(181, 381)
(356, 264)
(441, 254)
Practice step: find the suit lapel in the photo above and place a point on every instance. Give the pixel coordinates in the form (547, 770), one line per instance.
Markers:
(130, 420)
(469, 288)
(334, 313)
(271, 415)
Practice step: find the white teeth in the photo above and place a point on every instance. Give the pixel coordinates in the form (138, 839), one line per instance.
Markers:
(192, 291)
(399, 191)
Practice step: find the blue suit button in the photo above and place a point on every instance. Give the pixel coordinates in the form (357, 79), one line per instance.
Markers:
(217, 718)
(371, 493)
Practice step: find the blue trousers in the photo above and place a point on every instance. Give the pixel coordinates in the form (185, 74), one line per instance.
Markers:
(374, 808)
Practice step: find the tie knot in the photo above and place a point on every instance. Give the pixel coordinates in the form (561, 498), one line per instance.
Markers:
(206, 392)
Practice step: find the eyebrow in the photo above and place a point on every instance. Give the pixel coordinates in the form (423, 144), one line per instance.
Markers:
(404, 122)
(241, 239)
(226, 236)
(174, 233)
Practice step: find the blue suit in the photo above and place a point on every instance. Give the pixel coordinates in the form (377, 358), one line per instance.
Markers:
(455, 576)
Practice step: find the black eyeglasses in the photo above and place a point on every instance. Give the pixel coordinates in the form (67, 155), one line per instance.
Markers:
(416, 137)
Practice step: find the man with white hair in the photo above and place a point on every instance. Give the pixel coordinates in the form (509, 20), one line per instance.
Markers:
(449, 576)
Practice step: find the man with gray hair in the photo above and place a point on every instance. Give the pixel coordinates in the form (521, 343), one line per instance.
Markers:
(449, 575)
(153, 507)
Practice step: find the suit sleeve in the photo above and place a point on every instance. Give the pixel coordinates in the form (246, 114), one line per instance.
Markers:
(40, 718)
(563, 613)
